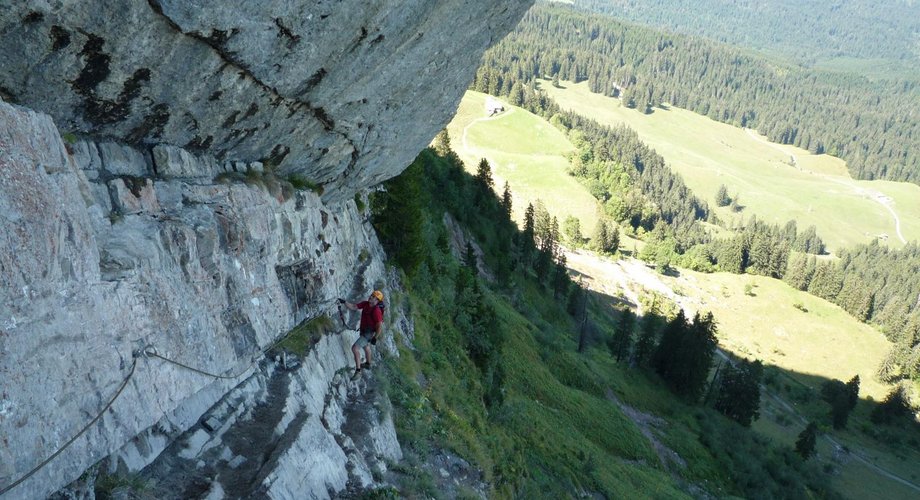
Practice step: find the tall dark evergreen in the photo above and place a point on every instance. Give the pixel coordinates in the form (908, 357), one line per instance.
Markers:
(739, 392)
(896, 406)
(506, 200)
(647, 341)
(841, 399)
(684, 354)
(808, 438)
(621, 340)
(397, 214)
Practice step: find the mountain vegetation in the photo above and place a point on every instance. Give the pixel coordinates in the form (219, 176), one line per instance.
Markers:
(872, 282)
(806, 30)
(862, 121)
(510, 376)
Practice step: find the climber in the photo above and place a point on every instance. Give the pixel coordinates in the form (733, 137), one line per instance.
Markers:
(370, 329)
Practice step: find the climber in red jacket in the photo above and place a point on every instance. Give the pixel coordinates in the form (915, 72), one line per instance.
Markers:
(370, 329)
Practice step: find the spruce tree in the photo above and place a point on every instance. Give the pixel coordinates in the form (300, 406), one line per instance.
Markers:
(739, 392)
(805, 444)
(398, 214)
(599, 237)
(506, 200)
(684, 354)
(647, 341)
(895, 406)
(484, 174)
(442, 143)
(722, 198)
(838, 396)
(621, 339)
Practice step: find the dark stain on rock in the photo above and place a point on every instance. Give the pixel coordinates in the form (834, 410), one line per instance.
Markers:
(284, 31)
(152, 125)
(134, 184)
(97, 110)
(60, 38)
(199, 144)
(253, 109)
(230, 120)
(314, 79)
(33, 17)
(377, 39)
(323, 118)
(325, 217)
(277, 155)
(219, 37)
(7, 95)
(96, 68)
(215, 96)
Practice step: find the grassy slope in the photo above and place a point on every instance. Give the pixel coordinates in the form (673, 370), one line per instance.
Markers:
(527, 152)
(555, 426)
(766, 326)
(707, 154)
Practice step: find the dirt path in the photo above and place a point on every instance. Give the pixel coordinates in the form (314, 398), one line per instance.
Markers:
(876, 196)
(628, 277)
(466, 129)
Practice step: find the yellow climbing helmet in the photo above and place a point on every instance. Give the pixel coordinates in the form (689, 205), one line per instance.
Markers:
(378, 294)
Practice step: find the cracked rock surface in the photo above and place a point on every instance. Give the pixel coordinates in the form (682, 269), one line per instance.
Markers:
(344, 93)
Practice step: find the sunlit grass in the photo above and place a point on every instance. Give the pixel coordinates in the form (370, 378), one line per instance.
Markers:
(816, 191)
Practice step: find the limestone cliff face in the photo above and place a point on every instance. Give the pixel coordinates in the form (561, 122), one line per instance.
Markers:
(343, 92)
(104, 265)
(120, 247)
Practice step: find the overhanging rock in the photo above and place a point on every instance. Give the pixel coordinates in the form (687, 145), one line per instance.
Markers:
(344, 93)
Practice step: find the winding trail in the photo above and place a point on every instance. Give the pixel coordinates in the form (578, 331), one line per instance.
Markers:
(466, 129)
(627, 277)
(872, 194)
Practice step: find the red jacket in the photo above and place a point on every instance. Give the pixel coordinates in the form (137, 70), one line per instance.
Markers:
(371, 316)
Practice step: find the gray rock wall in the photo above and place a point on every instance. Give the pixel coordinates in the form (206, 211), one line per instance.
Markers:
(344, 93)
(154, 225)
(99, 259)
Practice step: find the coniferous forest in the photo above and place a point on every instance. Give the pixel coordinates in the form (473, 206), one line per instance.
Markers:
(806, 30)
(872, 125)
(873, 283)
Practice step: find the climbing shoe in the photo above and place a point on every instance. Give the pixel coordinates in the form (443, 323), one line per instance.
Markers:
(366, 366)
(357, 374)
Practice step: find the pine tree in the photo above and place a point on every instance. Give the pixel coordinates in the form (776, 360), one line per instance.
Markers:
(397, 214)
(838, 396)
(895, 406)
(805, 444)
(442, 143)
(722, 198)
(684, 354)
(739, 392)
(506, 200)
(647, 341)
(621, 340)
(484, 174)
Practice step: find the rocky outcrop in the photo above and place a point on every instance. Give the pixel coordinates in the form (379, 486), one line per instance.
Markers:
(154, 249)
(344, 93)
(108, 271)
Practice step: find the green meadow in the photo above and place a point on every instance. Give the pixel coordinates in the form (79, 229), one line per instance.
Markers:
(527, 152)
(768, 323)
(812, 189)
